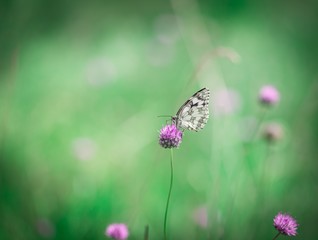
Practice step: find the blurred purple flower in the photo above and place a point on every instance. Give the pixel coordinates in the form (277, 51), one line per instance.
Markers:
(45, 228)
(269, 95)
(285, 224)
(226, 101)
(170, 136)
(117, 231)
(200, 216)
(273, 132)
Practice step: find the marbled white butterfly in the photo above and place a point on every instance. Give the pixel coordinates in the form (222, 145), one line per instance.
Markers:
(194, 113)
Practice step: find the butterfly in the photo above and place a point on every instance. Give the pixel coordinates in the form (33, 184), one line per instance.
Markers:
(194, 113)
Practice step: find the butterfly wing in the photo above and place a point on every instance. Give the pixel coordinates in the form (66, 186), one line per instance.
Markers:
(194, 113)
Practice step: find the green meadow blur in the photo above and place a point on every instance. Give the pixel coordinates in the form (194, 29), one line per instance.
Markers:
(82, 84)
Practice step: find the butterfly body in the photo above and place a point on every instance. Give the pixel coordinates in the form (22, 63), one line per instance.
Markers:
(194, 113)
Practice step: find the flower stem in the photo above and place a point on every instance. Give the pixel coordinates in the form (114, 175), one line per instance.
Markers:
(259, 124)
(169, 194)
(146, 234)
(276, 235)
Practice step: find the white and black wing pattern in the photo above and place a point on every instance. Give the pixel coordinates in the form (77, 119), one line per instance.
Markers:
(194, 113)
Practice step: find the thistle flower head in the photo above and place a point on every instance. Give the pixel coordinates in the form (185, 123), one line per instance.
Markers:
(118, 231)
(170, 136)
(269, 95)
(273, 132)
(285, 224)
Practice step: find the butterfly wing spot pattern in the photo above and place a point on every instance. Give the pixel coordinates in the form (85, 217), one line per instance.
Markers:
(194, 113)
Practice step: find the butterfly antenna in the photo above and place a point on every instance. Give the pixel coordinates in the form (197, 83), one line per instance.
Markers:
(165, 116)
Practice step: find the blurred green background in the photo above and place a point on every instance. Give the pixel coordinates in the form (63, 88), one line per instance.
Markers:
(82, 84)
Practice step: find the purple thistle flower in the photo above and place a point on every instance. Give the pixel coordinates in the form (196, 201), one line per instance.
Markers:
(269, 95)
(285, 224)
(118, 231)
(170, 136)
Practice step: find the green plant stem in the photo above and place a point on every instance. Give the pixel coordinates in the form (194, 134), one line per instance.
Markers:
(169, 194)
(276, 235)
(146, 234)
(259, 124)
